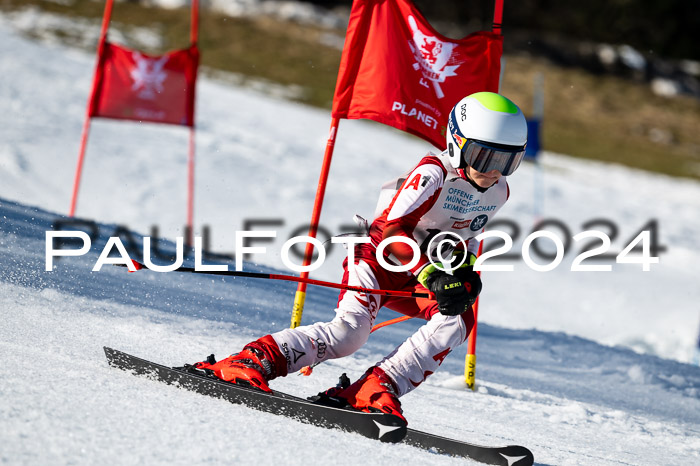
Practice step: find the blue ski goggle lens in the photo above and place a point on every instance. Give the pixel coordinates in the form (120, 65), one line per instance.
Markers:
(484, 157)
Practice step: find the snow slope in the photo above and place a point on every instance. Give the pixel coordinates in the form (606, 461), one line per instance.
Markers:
(555, 369)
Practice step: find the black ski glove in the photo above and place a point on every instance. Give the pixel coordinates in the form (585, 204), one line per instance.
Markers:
(465, 272)
(454, 293)
(471, 280)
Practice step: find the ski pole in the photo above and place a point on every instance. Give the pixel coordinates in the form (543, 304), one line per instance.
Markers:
(292, 278)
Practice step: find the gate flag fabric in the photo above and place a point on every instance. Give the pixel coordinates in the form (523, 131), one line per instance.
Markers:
(397, 70)
(131, 85)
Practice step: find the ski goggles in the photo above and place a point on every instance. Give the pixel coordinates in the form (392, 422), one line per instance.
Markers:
(484, 157)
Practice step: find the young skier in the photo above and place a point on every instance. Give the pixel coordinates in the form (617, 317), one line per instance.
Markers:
(456, 192)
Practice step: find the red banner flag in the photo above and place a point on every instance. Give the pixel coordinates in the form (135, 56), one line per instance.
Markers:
(131, 85)
(397, 70)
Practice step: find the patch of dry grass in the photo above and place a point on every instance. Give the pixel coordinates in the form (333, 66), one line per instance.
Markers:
(608, 118)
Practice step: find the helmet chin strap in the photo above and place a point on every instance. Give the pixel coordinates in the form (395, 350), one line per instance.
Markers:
(462, 172)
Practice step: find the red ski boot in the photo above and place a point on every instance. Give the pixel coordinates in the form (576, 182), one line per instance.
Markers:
(254, 366)
(373, 392)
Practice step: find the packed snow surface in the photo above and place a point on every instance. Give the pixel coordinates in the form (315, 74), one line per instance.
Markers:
(581, 367)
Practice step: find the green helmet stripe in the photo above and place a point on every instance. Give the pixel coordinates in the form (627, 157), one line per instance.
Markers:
(495, 102)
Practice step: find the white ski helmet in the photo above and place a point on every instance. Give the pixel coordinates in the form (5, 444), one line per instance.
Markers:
(486, 131)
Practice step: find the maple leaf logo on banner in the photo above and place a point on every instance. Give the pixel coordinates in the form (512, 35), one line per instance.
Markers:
(148, 75)
(432, 57)
(131, 85)
(397, 70)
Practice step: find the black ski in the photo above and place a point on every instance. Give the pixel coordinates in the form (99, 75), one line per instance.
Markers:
(381, 426)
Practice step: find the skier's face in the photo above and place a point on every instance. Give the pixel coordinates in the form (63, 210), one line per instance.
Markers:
(485, 180)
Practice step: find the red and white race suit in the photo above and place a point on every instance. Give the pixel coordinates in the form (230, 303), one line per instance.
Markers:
(430, 200)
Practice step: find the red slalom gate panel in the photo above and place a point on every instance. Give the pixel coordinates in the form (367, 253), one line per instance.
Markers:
(131, 85)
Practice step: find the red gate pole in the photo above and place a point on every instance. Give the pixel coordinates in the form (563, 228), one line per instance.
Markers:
(194, 22)
(190, 189)
(300, 296)
(470, 360)
(497, 17)
(86, 124)
(81, 158)
(194, 33)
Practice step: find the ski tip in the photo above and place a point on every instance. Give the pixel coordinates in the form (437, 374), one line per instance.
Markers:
(110, 353)
(137, 266)
(132, 264)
